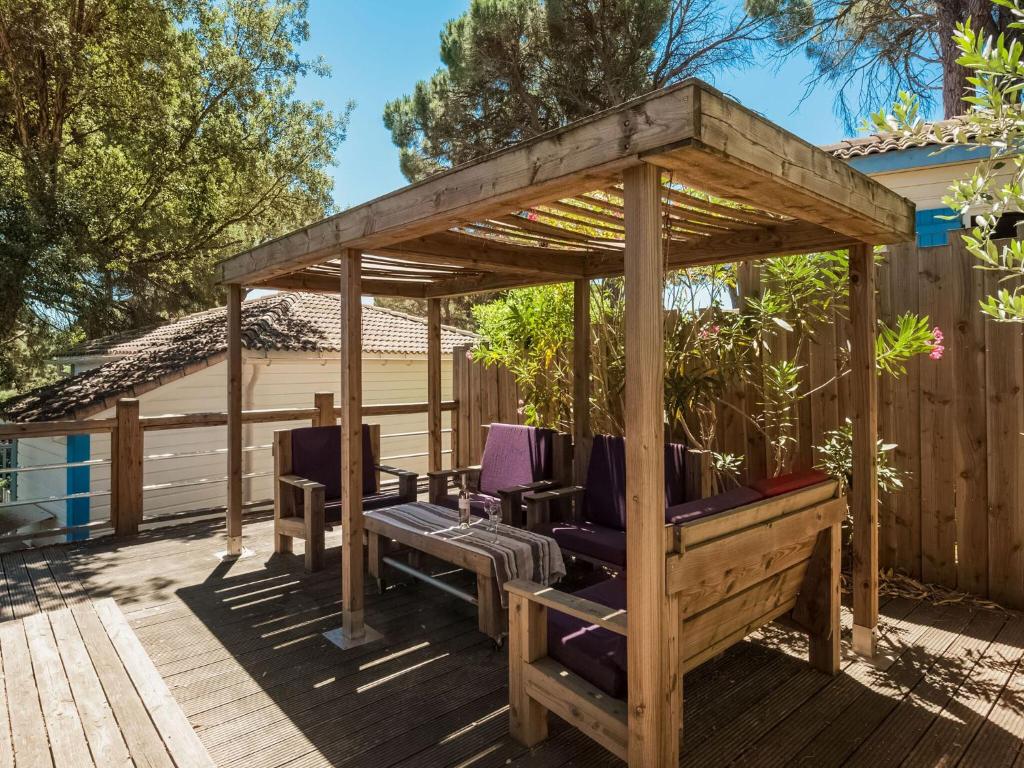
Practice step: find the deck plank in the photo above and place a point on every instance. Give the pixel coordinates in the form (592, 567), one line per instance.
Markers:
(47, 593)
(68, 746)
(28, 730)
(175, 730)
(19, 585)
(983, 724)
(6, 746)
(101, 730)
(140, 735)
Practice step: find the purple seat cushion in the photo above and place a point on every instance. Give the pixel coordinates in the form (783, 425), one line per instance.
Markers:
(694, 510)
(515, 455)
(794, 481)
(595, 654)
(604, 500)
(316, 455)
(476, 502)
(588, 539)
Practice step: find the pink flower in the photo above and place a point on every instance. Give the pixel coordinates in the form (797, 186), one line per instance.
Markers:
(469, 355)
(937, 347)
(706, 332)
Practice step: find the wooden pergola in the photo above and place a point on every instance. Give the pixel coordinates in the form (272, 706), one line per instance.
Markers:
(680, 177)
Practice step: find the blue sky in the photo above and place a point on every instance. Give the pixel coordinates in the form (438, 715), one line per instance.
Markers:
(378, 50)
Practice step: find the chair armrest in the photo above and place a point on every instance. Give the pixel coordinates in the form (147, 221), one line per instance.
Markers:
(519, 490)
(407, 481)
(512, 500)
(612, 619)
(438, 480)
(301, 483)
(538, 503)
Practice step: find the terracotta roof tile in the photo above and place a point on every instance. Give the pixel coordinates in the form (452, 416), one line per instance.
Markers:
(282, 322)
(880, 143)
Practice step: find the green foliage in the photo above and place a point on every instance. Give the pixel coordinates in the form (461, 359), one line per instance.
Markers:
(995, 124)
(513, 69)
(912, 336)
(140, 142)
(710, 350)
(837, 460)
(530, 332)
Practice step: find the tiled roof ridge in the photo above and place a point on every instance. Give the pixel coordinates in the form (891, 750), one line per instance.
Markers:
(290, 321)
(932, 133)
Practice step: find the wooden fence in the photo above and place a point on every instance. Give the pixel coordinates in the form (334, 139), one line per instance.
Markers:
(127, 430)
(484, 395)
(957, 422)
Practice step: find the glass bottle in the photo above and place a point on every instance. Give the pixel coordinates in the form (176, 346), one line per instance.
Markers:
(463, 504)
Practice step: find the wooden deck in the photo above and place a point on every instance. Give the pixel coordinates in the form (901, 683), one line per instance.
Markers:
(240, 647)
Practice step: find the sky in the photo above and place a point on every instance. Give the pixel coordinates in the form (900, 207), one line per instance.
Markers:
(379, 50)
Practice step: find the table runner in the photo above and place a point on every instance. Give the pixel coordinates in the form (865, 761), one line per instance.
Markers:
(517, 553)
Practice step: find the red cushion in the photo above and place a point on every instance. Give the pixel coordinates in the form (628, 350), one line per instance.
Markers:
(794, 481)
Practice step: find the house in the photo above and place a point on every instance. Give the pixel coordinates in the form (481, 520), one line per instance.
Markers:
(921, 168)
(291, 348)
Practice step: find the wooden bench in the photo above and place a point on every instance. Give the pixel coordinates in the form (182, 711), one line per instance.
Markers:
(727, 575)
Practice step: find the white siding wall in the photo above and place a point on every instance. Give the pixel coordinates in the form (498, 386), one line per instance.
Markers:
(925, 186)
(284, 380)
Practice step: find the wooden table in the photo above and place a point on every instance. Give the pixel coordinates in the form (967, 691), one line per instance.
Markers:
(447, 547)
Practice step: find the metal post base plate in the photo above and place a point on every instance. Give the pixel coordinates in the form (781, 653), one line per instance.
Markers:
(223, 554)
(343, 641)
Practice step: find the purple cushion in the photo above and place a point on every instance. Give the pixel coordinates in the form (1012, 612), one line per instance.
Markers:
(476, 502)
(316, 455)
(595, 654)
(794, 481)
(596, 541)
(604, 500)
(694, 510)
(515, 455)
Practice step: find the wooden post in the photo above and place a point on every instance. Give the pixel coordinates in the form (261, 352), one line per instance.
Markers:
(353, 629)
(126, 463)
(323, 402)
(234, 508)
(655, 682)
(581, 380)
(527, 642)
(864, 407)
(434, 384)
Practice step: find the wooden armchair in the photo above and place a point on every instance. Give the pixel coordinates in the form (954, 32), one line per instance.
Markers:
(307, 485)
(516, 460)
(728, 573)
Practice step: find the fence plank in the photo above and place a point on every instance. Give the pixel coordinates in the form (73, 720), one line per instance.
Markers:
(906, 420)
(938, 430)
(1005, 369)
(967, 349)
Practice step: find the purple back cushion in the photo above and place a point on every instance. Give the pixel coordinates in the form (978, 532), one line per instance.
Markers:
(722, 502)
(604, 499)
(316, 455)
(515, 455)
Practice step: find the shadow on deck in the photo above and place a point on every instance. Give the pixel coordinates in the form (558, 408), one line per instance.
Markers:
(240, 646)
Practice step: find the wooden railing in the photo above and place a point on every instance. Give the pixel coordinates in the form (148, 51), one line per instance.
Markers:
(127, 429)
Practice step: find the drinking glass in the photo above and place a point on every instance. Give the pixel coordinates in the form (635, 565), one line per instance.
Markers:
(493, 509)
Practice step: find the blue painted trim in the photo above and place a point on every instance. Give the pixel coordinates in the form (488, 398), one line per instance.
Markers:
(933, 226)
(78, 510)
(916, 157)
